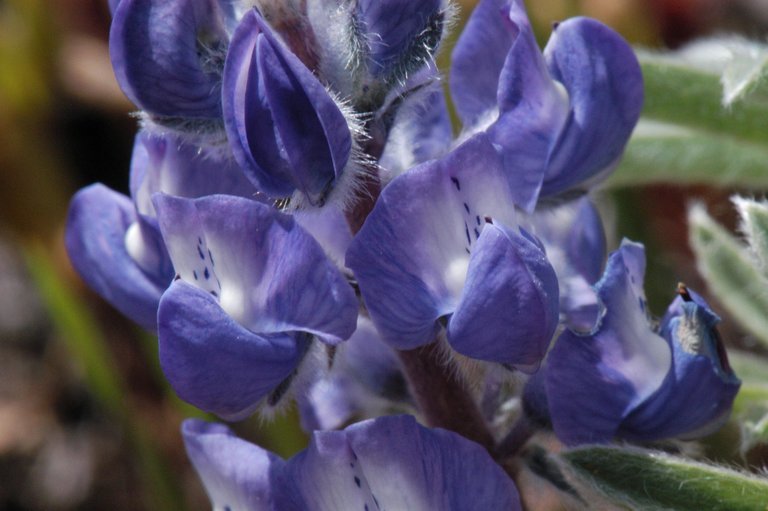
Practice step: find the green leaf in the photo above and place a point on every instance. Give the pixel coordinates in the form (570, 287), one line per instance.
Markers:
(745, 69)
(666, 153)
(649, 480)
(754, 225)
(739, 63)
(704, 117)
(693, 98)
(750, 409)
(751, 368)
(730, 272)
(754, 433)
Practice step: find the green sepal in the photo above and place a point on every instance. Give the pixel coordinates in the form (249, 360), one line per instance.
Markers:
(704, 117)
(640, 479)
(754, 225)
(666, 153)
(750, 408)
(689, 97)
(730, 272)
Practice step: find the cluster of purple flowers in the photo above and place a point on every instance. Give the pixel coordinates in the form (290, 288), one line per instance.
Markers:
(301, 214)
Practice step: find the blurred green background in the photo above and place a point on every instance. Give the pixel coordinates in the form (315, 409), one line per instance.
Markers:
(86, 419)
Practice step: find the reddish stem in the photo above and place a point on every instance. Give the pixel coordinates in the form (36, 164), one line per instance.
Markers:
(442, 396)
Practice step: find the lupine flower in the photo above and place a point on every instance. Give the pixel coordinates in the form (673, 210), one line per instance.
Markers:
(626, 379)
(252, 290)
(442, 244)
(114, 242)
(365, 379)
(385, 463)
(421, 129)
(574, 239)
(285, 129)
(274, 129)
(560, 120)
(396, 38)
(368, 48)
(168, 55)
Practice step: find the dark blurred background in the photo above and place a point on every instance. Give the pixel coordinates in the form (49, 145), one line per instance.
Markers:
(86, 419)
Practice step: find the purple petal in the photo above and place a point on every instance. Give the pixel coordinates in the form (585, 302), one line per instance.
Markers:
(575, 240)
(532, 110)
(235, 473)
(509, 308)
(431, 128)
(594, 381)
(411, 256)
(96, 240)
(386, 463)
(586, 244)
(265, 270)
(330, 228)
(367, 359)
(284, 127)
(577, 230)
(312, 129)
(697, 396)
(327, 404)
(605, 87)
(398, 34)
(478, 58)
(579, 305)
(324, 477)
(422, 131)
(678, 307)
(365, 380)
(587, 398)
(408, 466)
(168, 54)
(253, 143)
(164, 163)
(213, 362)
(394, 463)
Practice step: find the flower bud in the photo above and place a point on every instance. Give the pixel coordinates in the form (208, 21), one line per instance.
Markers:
(284, 128)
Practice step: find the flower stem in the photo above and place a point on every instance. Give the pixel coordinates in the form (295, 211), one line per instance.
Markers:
(442, 396)
(511, 444)
(370, 190)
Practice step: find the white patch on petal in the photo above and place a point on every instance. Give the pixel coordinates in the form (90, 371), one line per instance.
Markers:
(456, 275)
(565, 98)
(483, 122)
(194, 262)
(136, 247)
(645, 358)
(633, 348)
(233, 301)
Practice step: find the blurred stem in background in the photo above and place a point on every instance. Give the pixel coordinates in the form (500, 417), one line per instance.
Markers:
(34, 189)
(86, 344)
